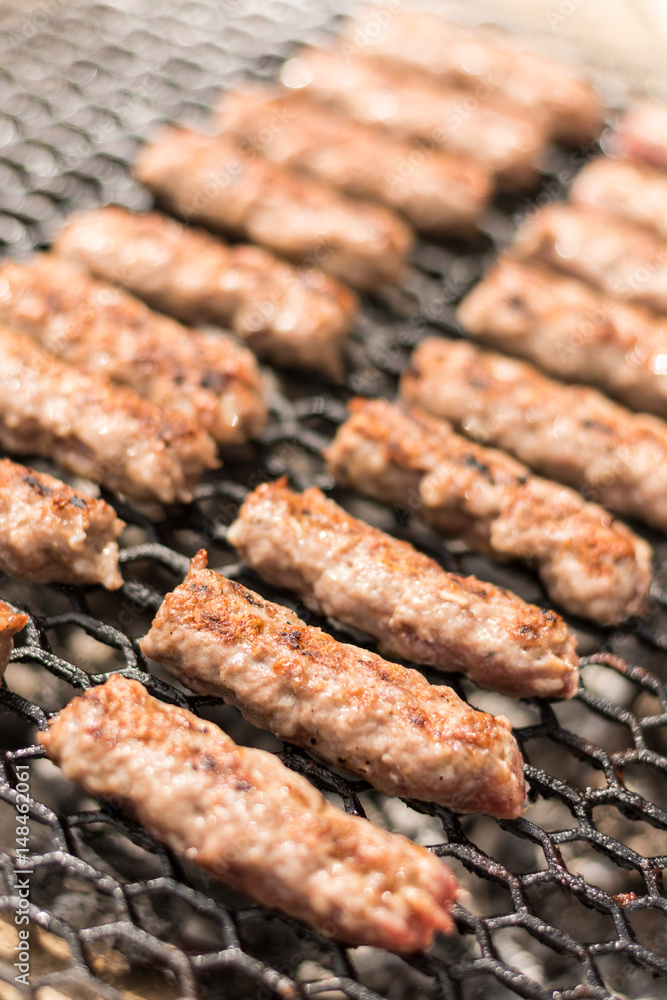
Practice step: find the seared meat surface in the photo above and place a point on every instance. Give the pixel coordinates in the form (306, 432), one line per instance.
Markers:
(89, 323)
(506, 141)
(437, 192)
(292, 316)
(488, 61)
(622, 259)
(378, 720)
(571, 330)
(642, 132)
(10, 623)
(571, 433)
(249, 821)
(215, 182)
(628, 188)
(94, 428)
(51, 533)
(590, 564)
(344, 568)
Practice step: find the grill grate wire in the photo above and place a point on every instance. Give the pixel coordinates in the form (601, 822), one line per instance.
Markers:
(566, 902)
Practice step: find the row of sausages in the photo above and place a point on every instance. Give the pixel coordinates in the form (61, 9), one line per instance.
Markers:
(240, 813)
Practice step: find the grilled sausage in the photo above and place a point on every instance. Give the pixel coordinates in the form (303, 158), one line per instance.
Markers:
(486, 61)
(51, 533)
(10, 623)
(341, 567)
(378, 720)
(622, 259)
(211, 380)
(593, 566)
(642, 132)
(507, 142)
(628, 188)
(435, 191)
(292, 316)
(572, 331)
(95, 428)
(571, 433)
(249, 821)
(213, 181)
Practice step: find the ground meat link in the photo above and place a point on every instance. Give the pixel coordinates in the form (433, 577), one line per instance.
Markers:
(624, 260)
(642, 132)
(249, 821)
(571, 433)
(211, 180)
(593, 566)
(11, 622)
(436, 192)
(572, 331)
(292, 316)
(51, 533)
(94, 428)
(487, 61)
(341, 567)
(378, 720)
(507, 142)
(628, 188)
(212, 380)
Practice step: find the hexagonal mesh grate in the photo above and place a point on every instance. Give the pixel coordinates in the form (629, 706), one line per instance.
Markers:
(567, 901)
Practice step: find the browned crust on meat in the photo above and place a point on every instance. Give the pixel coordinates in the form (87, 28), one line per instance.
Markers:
(623, 259)
(50, 532)
(505, 140)
(642, 132)
(379, 720)
(628, 188)
(296, 316)
(95, 428)
(214, 182)
(11, 622)
(487, 60)
(592, 565)
(571, 330)
(435, 191)
(250, 821)
(383, 586)
(85, 322)
(571, 433)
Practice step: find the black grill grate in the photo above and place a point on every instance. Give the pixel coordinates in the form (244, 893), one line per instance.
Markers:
(567, 902)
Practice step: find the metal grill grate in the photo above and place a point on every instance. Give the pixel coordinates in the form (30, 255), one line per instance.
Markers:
(567, 902)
